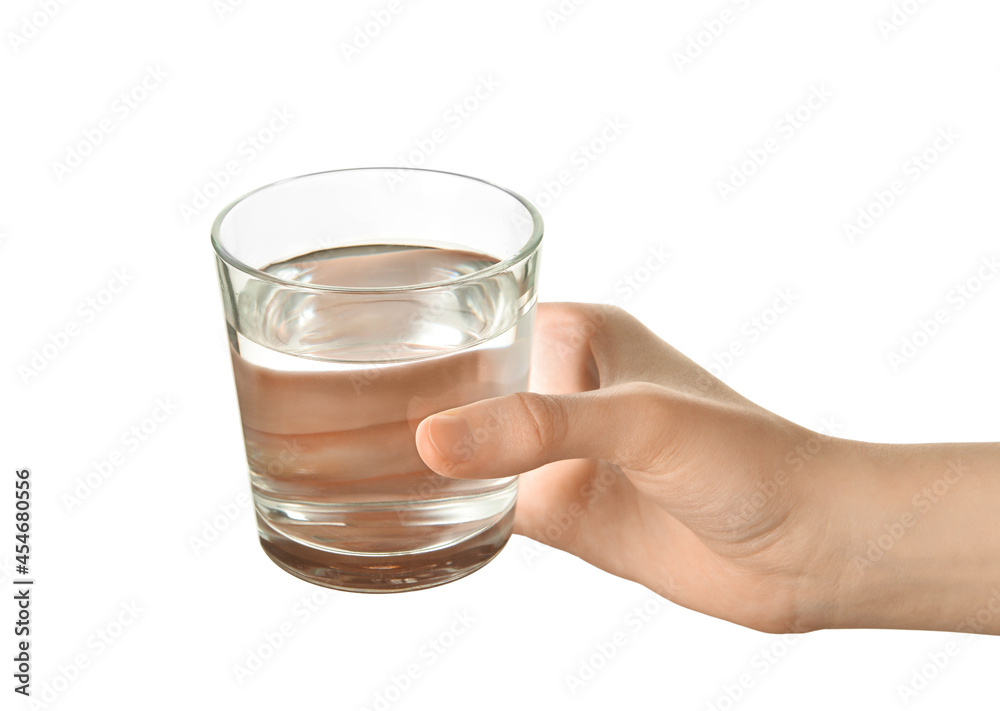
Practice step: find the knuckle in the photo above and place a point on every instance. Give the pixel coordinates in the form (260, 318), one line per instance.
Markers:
(655, 413)
(650, 397)
(618, 315)
(600, 316)
(545, 417)
(594, 317)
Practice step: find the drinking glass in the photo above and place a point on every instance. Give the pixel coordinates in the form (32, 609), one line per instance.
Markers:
(357, 303)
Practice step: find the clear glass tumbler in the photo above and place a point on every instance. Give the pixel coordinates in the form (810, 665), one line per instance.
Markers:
(358, 302)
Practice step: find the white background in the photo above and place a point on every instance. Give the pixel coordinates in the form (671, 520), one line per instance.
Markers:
(536, 619)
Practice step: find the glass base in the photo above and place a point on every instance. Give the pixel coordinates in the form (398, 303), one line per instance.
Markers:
(386, 573)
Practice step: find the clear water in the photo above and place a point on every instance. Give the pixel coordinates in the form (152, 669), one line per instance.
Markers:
(331, 390)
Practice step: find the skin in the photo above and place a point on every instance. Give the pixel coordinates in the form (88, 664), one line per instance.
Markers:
(640, 462)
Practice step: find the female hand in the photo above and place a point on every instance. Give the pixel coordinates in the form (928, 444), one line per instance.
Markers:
(640, 462)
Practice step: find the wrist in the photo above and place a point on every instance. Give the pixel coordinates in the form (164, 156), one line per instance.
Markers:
(827, 534)
(904, 538)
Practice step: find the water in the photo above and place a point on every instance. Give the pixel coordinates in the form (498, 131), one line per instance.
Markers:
(331, 389)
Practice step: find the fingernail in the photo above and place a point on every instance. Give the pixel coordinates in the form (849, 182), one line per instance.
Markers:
(452, 437)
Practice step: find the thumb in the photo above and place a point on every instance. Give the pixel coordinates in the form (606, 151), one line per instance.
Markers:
(624, 424)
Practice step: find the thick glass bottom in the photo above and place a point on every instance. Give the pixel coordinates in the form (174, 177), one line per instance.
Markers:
(386, 573)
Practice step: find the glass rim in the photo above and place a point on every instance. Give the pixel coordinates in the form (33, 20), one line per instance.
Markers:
(526, 250)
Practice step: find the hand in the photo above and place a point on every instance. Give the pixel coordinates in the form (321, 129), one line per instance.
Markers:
(640, 462)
